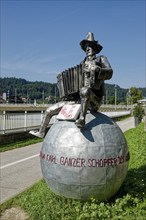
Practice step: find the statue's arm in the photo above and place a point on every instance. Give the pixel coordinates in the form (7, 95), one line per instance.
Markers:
(105, 71)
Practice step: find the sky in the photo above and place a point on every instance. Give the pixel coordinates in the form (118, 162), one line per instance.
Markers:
(40, 39)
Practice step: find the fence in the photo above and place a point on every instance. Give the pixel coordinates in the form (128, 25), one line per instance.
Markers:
(24, 121)
(20, 121)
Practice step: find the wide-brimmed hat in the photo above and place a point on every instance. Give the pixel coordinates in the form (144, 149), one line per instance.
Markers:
(89, 41)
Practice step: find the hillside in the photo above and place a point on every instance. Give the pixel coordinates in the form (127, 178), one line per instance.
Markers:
(23, 88)
(38, 89)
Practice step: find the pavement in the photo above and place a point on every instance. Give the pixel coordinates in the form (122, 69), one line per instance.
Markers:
(20, 168)
(126, 124)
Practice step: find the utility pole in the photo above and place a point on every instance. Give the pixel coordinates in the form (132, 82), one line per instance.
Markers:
(27, 96)
(15, 95)
(43, 96)
(115, 97)
(55, 94)
(145, 117)
(145, 109)
(8, 95)
(128, 99)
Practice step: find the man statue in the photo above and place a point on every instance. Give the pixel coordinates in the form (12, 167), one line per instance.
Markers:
(94, 71)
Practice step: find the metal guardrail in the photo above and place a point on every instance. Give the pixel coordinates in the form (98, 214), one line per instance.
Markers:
(18, 122)
(25, 121)
(117, 113)
(47, 105)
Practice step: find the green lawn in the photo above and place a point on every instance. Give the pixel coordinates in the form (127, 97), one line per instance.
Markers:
(129, 203)
(21, 143)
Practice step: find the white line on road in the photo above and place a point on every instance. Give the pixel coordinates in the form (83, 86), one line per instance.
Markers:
(18, 161)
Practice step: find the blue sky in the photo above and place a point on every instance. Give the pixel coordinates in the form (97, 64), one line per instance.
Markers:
(39, 39)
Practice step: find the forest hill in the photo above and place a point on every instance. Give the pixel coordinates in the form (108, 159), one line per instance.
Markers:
(43, 90)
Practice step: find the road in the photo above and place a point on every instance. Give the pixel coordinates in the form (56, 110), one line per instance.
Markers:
(20, 168)
(126, 124)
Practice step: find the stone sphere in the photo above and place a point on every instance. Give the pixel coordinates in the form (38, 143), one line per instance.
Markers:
(84, 163)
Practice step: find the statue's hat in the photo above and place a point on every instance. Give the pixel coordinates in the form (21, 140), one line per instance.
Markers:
(89, 41)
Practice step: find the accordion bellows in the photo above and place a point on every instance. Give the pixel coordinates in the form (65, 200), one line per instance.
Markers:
(70, 81)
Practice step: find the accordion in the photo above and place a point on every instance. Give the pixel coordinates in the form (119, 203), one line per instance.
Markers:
(70, 81)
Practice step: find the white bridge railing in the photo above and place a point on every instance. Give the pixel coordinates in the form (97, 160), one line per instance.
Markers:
(20, 121)
(25, 121)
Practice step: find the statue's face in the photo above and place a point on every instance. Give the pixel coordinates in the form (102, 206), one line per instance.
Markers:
(90, 51)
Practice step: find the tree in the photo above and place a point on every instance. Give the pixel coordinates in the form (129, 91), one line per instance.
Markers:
(135, 94)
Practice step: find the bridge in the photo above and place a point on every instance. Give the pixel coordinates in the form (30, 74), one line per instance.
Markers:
(20, 118)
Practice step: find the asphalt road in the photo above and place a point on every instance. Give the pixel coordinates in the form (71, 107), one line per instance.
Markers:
(20, 168)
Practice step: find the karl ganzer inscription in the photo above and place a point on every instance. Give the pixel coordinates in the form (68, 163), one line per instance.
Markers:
(84, 153)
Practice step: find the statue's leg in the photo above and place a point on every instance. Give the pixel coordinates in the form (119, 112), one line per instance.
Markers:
(95, 102)
(53, 110)
(85, 97)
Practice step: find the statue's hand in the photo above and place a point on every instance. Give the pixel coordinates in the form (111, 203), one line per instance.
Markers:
(90, 67)
(98, 69)
(87, 67)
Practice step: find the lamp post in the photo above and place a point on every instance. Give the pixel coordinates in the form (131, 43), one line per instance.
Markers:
(15, 95)
(8, 95)
(145, 109)
(27, 97)
(128, 98)
(43, 96)
(55, 94)
(145, 117)
(115, 97)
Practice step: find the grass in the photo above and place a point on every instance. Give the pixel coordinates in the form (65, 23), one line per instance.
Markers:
(21, 143)
(122, 118)
(128, 204)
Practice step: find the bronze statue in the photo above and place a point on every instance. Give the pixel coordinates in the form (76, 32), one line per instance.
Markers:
(83, 84)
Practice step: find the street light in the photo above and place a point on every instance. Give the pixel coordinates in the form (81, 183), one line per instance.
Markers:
(115, 97)
(43, 96)
(128, 98)
(15, 95)
(55, 94)
(145, 116)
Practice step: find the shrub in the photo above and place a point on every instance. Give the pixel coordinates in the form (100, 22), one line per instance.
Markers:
(138, 112)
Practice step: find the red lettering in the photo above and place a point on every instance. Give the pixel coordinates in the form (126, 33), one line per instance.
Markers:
(101, 163)
(115, 161)
(68, 162)
(61, 160)
(105, 162)
(65, 114)
(98, 163)
(73, 162)
(51, 158)
(120, 159)
(92, 163)
(42, 155)
(82, 162)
